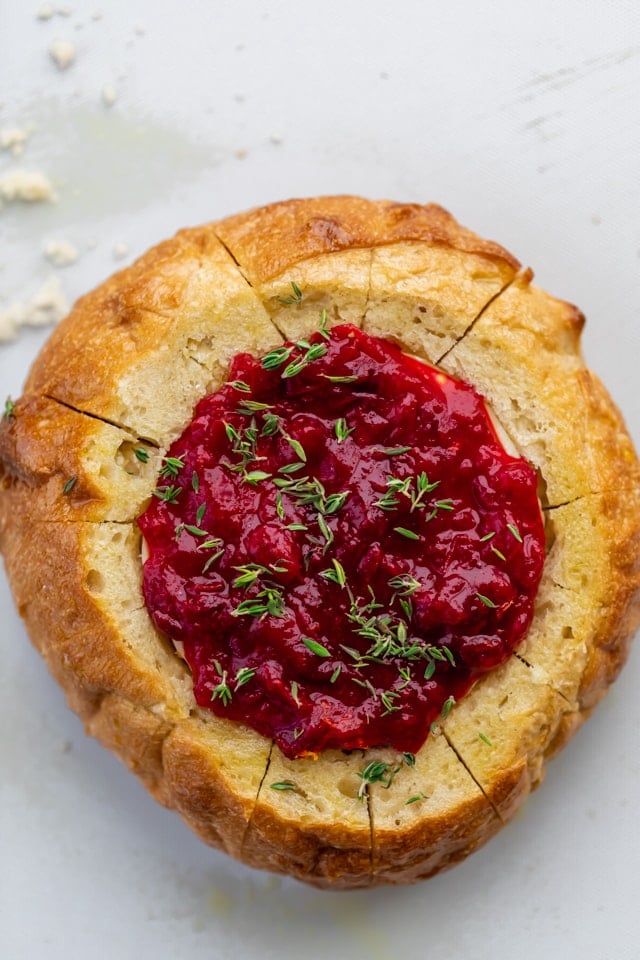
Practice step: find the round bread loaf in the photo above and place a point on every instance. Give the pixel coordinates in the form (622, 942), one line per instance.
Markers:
(123, 373)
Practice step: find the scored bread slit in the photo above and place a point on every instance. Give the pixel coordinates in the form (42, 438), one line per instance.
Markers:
(257, 796)
(475, 319)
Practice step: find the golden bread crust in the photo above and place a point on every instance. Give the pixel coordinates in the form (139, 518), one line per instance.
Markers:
(123, 372)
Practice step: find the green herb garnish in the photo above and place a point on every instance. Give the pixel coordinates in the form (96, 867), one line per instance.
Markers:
(69, 485)
(409, 534)
(315, 647)
(295, 297)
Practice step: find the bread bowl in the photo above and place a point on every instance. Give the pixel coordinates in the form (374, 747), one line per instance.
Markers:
(124, 372)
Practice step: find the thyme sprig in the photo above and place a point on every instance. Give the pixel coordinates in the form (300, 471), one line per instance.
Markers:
(295, 296)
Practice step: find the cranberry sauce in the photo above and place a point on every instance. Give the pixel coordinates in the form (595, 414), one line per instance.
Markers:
(340, 545)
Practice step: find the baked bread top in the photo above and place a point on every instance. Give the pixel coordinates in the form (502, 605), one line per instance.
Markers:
(123, 372)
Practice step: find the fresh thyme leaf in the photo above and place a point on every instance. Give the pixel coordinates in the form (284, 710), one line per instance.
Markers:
(488, 536)
(409, 759)
(200, 512)
(10, 409)
(222, 691)
(487, 602)
(283, 785)
(297, 448)
(169, 493)
(141, 454)
(335, 502)
(239, 385)
(430, 670)
(195, 531)
(377, 771)
(336, 673)
(208, 544)
(514, 532)
(409, 534)
(415, 798)
(249, 574)
(276, 357)
(395, 451)
(318, 648)
(69, 485)
(171, 467)
(271, 424)
(294, 692)
(387, 699)
(249, 407)
(254, 477)
(243, 676)
(448, 652)
(314, 352)
(212, 559)
(325, 531)
(485, 739)
(498, 553)
(342, 431)
(404, 584)
(195, 483)
(351, 378)
(322, 329)
(446, 707)
(337, 574)
(295, 297)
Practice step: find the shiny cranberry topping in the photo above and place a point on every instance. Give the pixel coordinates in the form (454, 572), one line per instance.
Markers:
(341, 545)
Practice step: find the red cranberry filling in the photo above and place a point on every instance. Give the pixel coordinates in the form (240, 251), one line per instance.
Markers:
(341, 544)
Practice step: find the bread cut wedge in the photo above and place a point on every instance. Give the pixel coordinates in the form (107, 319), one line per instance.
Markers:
(124, 371)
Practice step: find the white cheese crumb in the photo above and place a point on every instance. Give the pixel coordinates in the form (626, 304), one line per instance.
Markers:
(63, 53)
(120, 251)
(28, 186)
(61, 253)
(14, 139)
(46, 307)
(109, 95)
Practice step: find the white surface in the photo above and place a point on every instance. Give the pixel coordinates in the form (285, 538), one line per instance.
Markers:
(523, 121)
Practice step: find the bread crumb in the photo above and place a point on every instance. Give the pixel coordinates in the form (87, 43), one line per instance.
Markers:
(14, 139)
(61, 253)
(46, 11)
(28, 186)
(47, 306)
(120, 251)
(63, 53)
(220, 902)
(109, 95)
(241, 154)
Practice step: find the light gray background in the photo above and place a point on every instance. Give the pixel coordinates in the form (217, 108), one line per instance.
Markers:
(522, 119)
